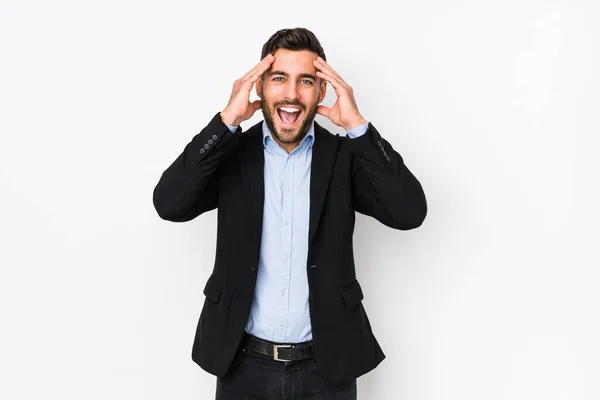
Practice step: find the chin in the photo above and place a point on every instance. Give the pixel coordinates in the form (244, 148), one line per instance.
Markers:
(287, 134)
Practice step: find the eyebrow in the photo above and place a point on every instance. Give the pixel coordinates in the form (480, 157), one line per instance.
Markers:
(311, 76)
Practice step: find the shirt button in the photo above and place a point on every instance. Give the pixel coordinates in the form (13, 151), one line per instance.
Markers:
(283, 292)
(280, 327)
(287, 188)
(285, 257)
(285, 222)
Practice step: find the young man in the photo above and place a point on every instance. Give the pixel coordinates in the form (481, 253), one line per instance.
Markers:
(283, 316)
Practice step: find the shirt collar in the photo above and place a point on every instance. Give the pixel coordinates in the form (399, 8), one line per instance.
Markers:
(268, 136)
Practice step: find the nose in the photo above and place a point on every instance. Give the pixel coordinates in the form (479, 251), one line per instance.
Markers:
(291, 90)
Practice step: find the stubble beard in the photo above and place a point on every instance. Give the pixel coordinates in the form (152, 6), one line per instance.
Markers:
(287, 135)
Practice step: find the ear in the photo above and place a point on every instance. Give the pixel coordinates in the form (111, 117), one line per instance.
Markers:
(258, 87)
(322, 90)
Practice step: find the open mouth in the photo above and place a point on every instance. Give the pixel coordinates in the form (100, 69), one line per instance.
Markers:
(288, 115)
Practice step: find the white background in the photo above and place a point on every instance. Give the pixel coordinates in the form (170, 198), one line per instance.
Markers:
(493, 105)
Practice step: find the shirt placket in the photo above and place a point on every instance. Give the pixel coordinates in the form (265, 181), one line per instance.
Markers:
(287, 211)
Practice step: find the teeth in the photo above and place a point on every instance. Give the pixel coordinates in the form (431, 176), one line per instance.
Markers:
(289, 109)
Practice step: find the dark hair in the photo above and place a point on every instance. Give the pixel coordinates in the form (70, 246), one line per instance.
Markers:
(293, 39)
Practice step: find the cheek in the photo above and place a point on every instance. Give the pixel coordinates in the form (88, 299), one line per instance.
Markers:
(270, 95)
(310, 97)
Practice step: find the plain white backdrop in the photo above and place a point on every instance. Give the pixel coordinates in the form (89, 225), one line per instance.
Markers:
(493, 105)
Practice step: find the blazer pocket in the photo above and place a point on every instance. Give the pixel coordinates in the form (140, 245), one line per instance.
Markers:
(212, 290)
(352, 294)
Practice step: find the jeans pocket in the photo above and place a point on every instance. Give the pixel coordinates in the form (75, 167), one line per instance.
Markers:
(239, 358)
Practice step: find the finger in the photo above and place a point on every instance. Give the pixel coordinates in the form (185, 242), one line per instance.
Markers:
(258, 66)
(262, 65)
(337, 85)
(256, 105)
(248, 81)
(326, 68)
(258, 73)
(252, 108)
(323, 110)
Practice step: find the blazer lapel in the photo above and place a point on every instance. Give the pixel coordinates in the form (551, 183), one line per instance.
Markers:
(252, 159)
(323, 157)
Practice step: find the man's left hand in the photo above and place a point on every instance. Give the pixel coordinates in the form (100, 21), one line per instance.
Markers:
(344, 112)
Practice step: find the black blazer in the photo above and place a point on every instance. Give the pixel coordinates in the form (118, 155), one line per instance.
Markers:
(224, 170)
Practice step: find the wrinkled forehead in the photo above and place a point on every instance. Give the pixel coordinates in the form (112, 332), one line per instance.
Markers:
(294, 62)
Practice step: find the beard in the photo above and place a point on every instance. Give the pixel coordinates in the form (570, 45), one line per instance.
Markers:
(289, 135)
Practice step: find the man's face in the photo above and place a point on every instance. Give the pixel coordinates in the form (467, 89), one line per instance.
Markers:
(290, 93)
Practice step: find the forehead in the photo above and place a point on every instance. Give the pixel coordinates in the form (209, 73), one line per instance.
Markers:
(294, 61)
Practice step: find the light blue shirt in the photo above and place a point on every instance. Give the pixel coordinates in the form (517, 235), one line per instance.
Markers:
(280, 309)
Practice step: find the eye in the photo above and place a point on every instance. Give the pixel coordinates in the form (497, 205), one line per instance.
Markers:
(278, 78)
(306, 81)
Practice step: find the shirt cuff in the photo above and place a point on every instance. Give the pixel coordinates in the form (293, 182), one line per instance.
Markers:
(232, 128)
(358, 131)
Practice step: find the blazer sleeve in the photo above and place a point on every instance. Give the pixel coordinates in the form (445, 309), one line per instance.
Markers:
(383, 186)
(189, 186)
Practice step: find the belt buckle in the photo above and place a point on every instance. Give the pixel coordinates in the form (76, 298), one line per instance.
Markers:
(276, 351)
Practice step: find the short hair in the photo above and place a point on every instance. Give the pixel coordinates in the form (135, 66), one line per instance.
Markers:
(293, 39)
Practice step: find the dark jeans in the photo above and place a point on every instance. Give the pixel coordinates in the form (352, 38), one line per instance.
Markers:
(257, 377)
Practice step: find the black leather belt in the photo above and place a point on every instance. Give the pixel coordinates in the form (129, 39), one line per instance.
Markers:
(276, 351)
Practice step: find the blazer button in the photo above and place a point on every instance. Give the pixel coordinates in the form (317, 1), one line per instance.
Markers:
(253, 269)
(214, 137)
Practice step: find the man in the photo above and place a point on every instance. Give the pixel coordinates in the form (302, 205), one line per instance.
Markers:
(283, 317)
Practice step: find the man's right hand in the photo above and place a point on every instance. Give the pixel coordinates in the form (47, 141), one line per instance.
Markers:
(239, 108)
